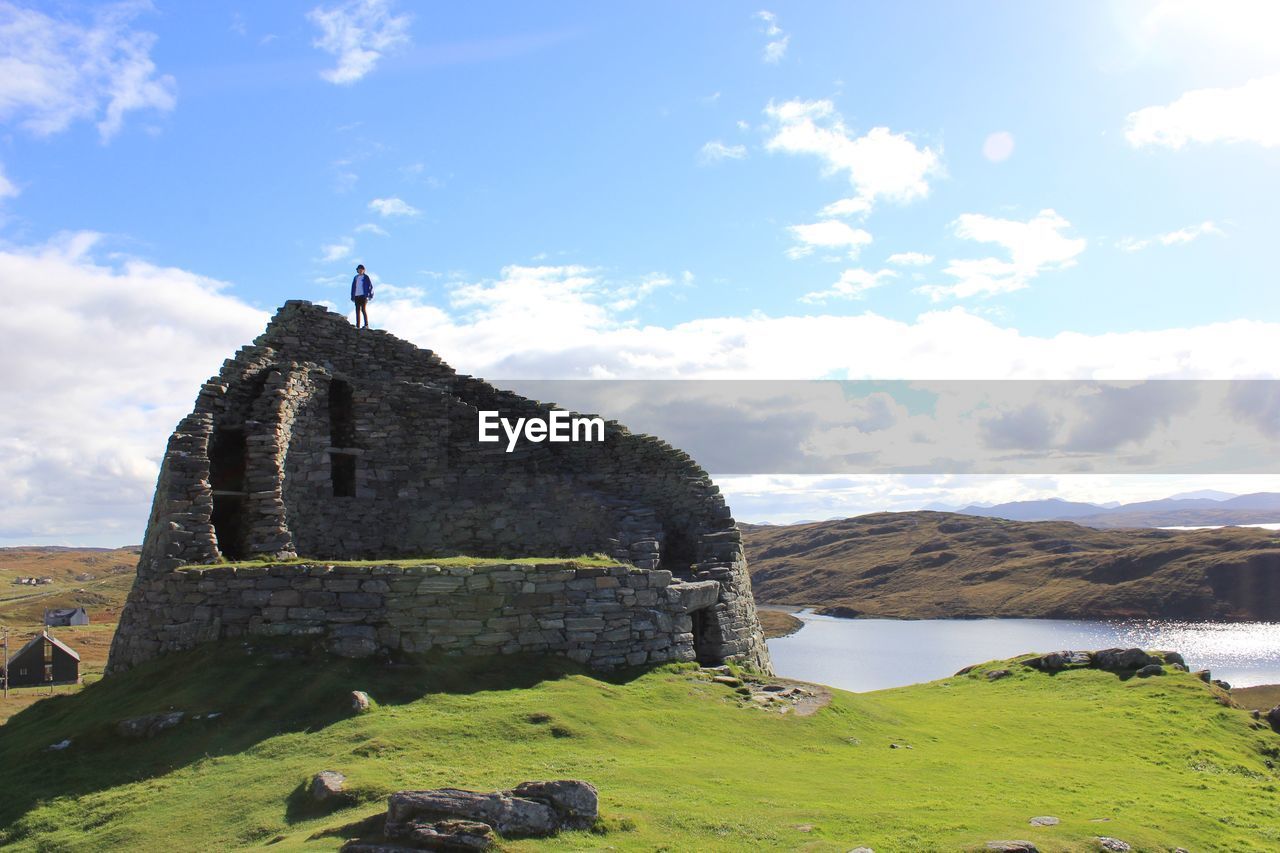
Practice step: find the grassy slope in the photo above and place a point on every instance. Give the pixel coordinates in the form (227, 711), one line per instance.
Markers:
(673, 754)
(937, 565)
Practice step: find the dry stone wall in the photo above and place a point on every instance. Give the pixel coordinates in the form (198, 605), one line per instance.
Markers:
(600, 616)
(334, 443)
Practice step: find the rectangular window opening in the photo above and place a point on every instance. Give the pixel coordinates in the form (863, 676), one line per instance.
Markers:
(342, 467)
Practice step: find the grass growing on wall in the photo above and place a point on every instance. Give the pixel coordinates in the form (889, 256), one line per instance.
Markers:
(680, 762)
(593, 560)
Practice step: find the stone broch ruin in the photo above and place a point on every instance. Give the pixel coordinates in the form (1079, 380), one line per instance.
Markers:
(340, 444)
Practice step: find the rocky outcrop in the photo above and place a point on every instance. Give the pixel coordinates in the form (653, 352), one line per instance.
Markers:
(1121, 661)
(149, 725)
(454, 819)
(1273, 717)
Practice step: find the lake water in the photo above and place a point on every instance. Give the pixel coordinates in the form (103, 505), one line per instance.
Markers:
(872, 654)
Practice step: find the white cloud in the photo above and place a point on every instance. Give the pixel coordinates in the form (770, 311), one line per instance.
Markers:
(358, 33)
(54, 71)
(1035, 246)
(125, 347)
(998, 146)
(1246, 113)
(483, 331)
(776, 48)
(1192, 33)
(910, 259)
(392, 207)
(847, 207)
(853, 284)
(1191, 232)
(97, 372)
(828, 234)
(1172, 238)
(336, 251)
(879, 164)
(371, 228)
(715, 151)
(7, 188)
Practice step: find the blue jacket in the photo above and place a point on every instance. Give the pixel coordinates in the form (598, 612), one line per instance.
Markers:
(362, 285)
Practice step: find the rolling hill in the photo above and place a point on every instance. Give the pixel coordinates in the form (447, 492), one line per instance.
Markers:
(937, 565)
(681, 762)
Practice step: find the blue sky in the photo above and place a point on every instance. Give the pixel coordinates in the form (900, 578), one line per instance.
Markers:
(932, 190)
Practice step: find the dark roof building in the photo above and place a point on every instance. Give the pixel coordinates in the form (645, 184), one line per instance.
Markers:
(44, 660)
(66, 616)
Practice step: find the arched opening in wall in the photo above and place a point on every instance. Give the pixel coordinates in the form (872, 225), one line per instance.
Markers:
(227, 463)
(679, 550)
(701, 622)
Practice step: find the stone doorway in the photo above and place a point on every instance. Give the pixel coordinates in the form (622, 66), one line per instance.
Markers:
(701, 623)
(227, 462)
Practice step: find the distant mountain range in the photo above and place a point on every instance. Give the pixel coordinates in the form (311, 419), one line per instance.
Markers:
(1190, 509)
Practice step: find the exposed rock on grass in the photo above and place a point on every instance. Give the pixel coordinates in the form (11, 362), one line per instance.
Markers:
(149, 725)
(454, 819)
(327, 785)
(781, 694)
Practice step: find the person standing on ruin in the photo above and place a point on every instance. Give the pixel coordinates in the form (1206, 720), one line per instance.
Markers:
(361, 294)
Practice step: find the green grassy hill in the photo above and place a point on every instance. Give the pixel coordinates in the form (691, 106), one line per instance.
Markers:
(681, 762)
(925, 565)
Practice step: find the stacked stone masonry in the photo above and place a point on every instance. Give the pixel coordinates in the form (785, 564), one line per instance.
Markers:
(601, 616)
(339, 444)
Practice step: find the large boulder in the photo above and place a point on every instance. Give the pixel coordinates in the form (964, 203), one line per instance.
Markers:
(530, 810)
(1273, 717)
(1058, 661)
(327, 785)
(450, 835)
(1123, 660)
(514, 817)
(576, 804)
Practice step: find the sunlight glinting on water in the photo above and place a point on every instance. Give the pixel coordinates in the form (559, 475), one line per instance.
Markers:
(874, 654)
